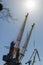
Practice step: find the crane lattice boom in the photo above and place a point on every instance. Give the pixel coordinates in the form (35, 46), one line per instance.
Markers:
(21, 32)
(26, 43)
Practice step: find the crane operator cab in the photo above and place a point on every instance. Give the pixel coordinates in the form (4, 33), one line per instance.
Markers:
(8, 56)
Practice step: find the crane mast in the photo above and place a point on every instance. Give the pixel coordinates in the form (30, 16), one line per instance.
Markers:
(26, 43)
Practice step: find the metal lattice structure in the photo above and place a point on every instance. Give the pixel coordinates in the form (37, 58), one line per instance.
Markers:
(17, 45)
(19, 56)
(26, 43)
(34, 55)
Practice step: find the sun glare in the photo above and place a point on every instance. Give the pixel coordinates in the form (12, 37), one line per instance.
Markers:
(31, 5)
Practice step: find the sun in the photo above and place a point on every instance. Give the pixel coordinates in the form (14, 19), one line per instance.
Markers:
(31, 5)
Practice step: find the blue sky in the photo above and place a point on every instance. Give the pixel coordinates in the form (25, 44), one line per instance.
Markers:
(9, 31)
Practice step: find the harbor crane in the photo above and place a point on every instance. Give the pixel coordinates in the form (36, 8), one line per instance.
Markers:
(16, 47)
(17, 44)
